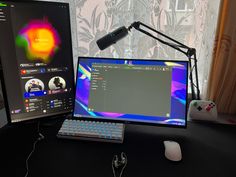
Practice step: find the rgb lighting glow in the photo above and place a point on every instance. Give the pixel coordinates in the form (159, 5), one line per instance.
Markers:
(39, 39)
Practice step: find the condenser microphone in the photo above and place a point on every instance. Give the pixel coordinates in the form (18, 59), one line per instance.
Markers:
(112, 38)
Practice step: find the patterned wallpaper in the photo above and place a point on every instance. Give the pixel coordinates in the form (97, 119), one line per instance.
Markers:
(192, 22)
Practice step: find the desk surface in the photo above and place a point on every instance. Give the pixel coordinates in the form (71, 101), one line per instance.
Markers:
(208, 150)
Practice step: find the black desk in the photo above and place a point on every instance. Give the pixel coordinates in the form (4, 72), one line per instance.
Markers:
(208, 150)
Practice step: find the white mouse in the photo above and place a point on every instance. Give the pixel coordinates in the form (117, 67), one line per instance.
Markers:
(172, 151)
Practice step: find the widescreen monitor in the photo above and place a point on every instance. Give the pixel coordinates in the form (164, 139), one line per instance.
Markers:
(36, 59)
(134, 91)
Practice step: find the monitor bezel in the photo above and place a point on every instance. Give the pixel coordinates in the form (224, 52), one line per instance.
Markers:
(126, 121)
(2, 78)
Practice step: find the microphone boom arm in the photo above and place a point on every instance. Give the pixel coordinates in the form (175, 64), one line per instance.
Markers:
(189, 52)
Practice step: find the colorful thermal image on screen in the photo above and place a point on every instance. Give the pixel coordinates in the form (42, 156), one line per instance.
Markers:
(39, 39)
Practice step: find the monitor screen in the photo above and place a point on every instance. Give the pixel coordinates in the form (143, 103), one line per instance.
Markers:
(36, 59)
(139, 91)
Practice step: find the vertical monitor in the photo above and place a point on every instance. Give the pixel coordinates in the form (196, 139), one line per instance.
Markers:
(135, 91)
(36, 59)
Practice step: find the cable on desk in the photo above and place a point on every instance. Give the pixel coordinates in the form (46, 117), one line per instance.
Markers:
(119, 164)
(34, 145)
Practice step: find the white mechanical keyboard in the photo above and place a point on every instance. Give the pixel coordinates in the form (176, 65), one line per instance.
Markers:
(92, 130)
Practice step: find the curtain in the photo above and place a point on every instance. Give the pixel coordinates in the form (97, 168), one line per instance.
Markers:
(192, 22)
(222, 84)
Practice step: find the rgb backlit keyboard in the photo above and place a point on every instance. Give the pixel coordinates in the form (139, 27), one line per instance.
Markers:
(92, 130)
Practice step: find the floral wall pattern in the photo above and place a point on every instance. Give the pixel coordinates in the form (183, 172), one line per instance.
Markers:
(192, 22)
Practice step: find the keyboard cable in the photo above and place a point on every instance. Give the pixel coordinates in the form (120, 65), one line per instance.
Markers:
(40, 137)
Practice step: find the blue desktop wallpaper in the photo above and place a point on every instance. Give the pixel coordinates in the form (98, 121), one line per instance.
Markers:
(178, 92)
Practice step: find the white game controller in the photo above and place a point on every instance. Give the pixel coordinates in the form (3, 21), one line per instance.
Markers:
(202, 110)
